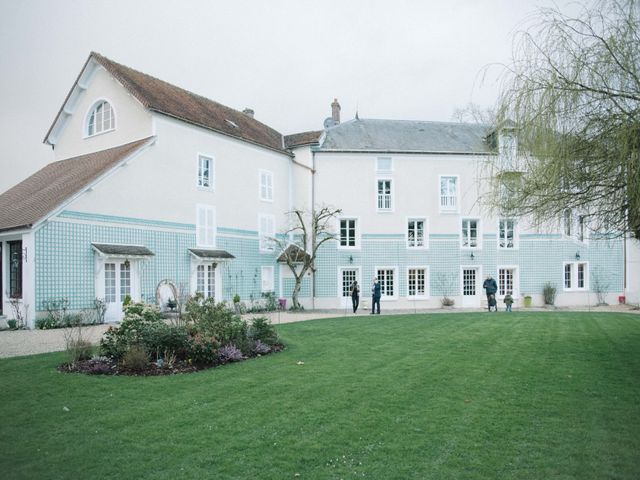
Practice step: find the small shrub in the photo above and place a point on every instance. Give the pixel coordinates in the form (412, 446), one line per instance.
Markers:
(79, 349)
(100, 306)
(203, 349)
(262, 330)
(229, 353)
(447, 302)
(12, 324)
(126, 301)
(135, 359)
(261, 348)
(549, 293)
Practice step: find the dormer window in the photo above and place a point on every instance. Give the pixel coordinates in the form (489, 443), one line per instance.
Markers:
(101, 118)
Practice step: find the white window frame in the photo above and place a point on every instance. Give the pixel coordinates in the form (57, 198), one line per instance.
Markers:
(516, 280)
(217, 278)
(427, 293)
(396, 285)
(478, 233)
(577, 224)
(384, 195)
(265, 188)
(212, 172)
(356, 234)
(446, 209)
(265, 244)
(516, 236)
(384, 170)
(206, 232)
(425, 240)
(267, 279)
(574, 276)
(90, 111)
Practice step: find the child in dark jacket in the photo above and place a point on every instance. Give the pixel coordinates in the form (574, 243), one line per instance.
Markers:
(508, 301)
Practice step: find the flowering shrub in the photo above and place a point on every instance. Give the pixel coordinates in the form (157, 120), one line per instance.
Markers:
(229, 353)
(262, 330)
(203, 349)
(261, 348)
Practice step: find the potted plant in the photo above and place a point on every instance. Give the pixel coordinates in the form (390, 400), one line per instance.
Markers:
(172, 304)
(12, 324)
(527, 301)
(236, 303)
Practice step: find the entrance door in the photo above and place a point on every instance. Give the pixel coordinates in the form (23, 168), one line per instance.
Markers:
(470, 290)
(347, 276)
(117, 285)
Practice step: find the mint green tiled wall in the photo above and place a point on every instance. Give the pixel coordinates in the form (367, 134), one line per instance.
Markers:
(539, 259)
(65, 260)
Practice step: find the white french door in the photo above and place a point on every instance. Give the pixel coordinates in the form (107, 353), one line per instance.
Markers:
(346, 278)
(471, 294)
(116, 280)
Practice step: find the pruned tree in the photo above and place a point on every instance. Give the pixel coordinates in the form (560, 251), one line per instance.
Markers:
(573, 93)
(299, 245)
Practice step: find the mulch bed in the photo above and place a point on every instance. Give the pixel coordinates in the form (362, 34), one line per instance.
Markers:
(108, 366)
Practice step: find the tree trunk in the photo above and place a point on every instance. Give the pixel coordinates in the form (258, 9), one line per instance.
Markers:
(296, 292)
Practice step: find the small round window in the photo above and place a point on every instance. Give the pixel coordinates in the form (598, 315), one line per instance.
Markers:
(101, 119)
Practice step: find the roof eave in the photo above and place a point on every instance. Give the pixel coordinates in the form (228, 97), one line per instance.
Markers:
(373, 150)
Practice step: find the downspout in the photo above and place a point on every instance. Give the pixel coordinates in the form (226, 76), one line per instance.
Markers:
(313, 233)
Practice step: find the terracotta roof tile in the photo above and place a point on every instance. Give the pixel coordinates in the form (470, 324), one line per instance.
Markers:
(44, 191)
(303, 138)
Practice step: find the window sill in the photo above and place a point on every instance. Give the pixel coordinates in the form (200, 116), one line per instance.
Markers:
(99, 133)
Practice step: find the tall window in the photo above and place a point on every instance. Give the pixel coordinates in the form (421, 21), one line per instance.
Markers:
(449, 193)
(506, 233)
(416, 233)
(580, 228)
(387, 282)
(15, 269)
(266, 185)
(267, 279)
(508, 148)
(206, 226)
(417, 282)
(384, 194)
(110, 282)
(470, 233)
(205, 172)
(567, 218)
(576, 276)
(267, 232)
(506, 281)
(348, 232)
(206, 280)
(101, 119)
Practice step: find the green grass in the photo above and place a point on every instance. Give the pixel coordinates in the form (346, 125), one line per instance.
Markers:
(446, 396)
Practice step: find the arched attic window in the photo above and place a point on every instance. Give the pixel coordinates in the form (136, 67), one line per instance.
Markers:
(101, 118)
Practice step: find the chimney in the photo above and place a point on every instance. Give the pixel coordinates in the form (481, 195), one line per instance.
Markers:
(335, 111)
(249, 112)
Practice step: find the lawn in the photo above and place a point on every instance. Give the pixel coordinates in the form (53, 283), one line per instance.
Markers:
(443, 396)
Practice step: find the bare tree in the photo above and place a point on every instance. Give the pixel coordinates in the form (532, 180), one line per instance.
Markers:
(573, 93)
(299, 244)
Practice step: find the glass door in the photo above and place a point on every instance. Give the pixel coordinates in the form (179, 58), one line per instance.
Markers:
(347, 276)
(470, 290)
(117, 286)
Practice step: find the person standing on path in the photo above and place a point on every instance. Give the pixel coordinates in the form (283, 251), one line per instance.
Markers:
(491, 287)
(355, 295)
(375, 296)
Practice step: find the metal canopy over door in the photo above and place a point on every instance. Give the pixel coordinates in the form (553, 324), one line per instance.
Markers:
(470, 288)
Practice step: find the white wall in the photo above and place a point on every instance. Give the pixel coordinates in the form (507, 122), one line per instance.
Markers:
(161, 183)
(133, 122)
(633, 271)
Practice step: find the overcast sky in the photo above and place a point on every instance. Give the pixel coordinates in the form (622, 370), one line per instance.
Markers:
(286, 59)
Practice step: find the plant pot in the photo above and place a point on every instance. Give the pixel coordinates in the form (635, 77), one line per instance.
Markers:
(12, 324)
(527, 301)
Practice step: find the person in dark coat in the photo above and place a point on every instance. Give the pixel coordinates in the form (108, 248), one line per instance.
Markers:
(375, 296)
(355, 295)
(491, 287)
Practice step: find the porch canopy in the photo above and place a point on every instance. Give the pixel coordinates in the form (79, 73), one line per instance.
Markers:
(116, 250)
(295, 253)
(211, 255)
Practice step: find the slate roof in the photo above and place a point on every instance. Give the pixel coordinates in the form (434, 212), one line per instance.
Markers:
(162, 97)
(124, 250)
(303, 138)
(211, 254)
(35, 197)
(407, 136)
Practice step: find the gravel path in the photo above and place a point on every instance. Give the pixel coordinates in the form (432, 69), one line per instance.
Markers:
(15, 343)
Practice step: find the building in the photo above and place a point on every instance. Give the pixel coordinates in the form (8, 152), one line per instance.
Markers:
(154, 186)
